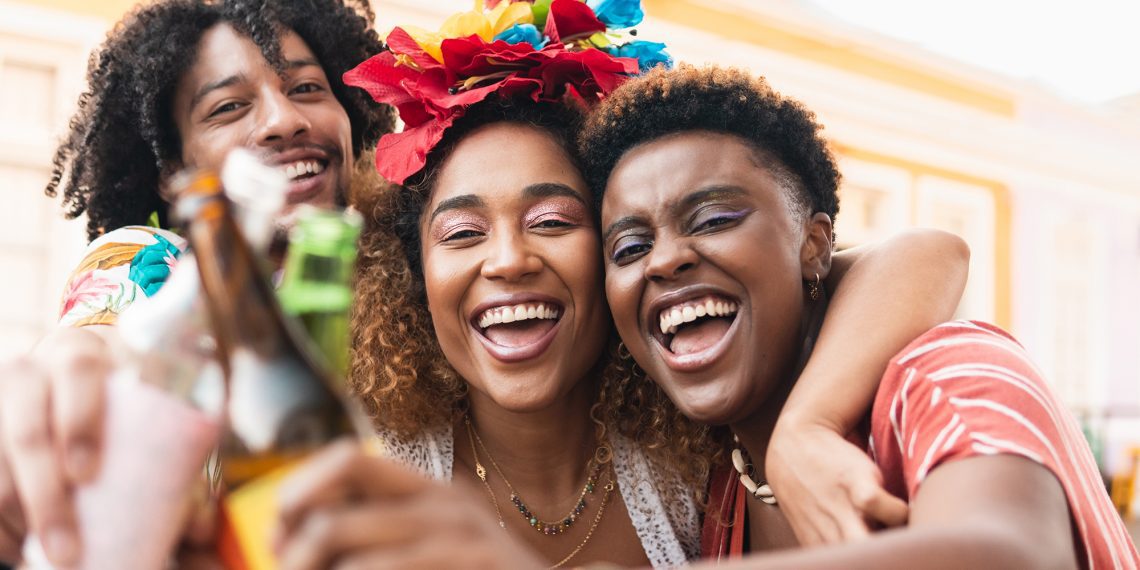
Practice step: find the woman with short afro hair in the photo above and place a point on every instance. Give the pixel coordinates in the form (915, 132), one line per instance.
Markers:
(711, 183)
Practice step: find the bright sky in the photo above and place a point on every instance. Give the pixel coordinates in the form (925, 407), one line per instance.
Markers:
(1088, 51)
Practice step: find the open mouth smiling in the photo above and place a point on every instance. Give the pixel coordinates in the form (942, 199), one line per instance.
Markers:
(307, 170)
(517, 331)
(303, 169)
(695, 330)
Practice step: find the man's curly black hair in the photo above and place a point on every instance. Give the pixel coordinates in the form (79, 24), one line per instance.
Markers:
(110, 162)
(717, 99)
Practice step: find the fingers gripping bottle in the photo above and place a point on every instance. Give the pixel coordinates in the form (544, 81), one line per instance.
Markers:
(161, 422)
(282, 400)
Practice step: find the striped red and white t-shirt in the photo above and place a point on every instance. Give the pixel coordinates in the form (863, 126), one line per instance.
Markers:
(967, 388)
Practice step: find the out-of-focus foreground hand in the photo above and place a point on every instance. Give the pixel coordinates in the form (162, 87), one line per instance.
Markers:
(828, 488)
(345, 509)
(51, 418)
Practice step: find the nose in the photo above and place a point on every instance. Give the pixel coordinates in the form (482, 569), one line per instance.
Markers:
(280, 119)
(509, 258)
(668, 259)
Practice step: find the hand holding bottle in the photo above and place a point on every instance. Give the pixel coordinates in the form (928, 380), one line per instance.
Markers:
(51, 413)
(347, 508)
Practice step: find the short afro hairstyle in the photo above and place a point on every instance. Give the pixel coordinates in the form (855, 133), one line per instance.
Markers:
(716, 99)
(110, 162)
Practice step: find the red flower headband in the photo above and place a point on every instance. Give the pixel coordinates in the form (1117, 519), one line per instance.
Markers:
(431, 90)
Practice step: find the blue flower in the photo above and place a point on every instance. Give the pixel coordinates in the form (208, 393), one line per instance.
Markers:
(648, 54)
(617, 14)
(520, 33)
(150, 267)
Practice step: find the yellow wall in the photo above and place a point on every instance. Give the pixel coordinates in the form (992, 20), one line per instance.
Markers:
(732, 24)
(109, 10)
(1003, 219)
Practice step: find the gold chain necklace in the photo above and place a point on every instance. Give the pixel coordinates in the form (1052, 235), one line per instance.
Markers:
(548, 528)
(481, 473)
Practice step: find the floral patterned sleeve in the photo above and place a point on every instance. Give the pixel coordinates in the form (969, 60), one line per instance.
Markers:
(120, 267)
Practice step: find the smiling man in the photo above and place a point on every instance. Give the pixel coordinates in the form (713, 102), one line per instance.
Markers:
(177, 84)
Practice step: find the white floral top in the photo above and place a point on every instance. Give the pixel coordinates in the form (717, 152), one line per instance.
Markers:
(118, 268)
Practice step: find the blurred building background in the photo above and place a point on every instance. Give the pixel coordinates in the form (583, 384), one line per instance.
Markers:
(1045, 190)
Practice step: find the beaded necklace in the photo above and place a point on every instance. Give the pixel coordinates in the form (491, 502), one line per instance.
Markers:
(549, 528)
(761, 491)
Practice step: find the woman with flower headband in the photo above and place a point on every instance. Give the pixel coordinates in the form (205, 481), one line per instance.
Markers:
(496, 256)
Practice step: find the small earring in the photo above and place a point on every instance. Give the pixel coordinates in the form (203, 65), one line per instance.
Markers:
(622, 351)
(814, 288)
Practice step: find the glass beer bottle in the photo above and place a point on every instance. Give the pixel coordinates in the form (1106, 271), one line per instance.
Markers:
(282, 401)
(317, 284)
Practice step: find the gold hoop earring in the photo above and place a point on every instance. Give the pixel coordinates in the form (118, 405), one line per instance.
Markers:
(814, 288)
(622, 351)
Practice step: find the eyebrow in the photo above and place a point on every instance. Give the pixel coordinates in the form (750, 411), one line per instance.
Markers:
(621, 225)
(237, 78)
(213, 86)
(457, 203)
(705, 194)
(685, 203)
(550, 190)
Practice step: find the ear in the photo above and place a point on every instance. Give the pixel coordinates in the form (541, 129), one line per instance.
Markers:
(169, 169)
(815, 254)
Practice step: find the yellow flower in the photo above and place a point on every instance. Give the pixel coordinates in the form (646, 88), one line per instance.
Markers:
(465, 24)
(428, 41)
(506, 15)
(479, 22)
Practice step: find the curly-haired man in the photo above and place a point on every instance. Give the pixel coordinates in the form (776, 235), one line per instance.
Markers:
(177, 83)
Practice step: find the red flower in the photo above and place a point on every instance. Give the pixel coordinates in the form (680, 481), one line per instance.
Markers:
(430, 96)
(570, 20)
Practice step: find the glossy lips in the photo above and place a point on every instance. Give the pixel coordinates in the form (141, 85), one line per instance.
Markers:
(517, 328)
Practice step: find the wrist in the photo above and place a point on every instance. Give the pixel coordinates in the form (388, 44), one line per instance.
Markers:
(793, 421)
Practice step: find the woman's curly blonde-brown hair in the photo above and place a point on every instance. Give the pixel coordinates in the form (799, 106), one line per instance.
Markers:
(398, 369)
(631, 403)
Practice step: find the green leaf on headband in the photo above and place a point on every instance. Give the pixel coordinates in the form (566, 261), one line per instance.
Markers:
(540, 9)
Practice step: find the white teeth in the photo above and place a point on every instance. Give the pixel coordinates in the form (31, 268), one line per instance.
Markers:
(302, 167)
(670, 318)
(514, 313)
